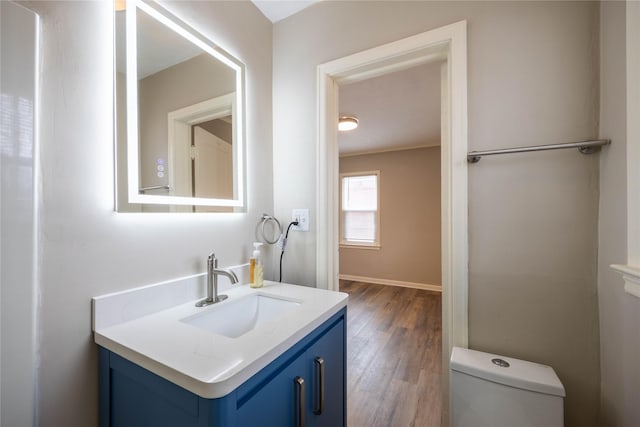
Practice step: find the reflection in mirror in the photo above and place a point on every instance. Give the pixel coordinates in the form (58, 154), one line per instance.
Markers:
(179, 116)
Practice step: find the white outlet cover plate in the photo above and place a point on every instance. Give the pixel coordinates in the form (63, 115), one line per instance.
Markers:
(302, 215)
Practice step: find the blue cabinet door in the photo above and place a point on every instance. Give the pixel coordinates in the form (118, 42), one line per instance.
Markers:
(309, 389)
(325, 361)
(271, 400)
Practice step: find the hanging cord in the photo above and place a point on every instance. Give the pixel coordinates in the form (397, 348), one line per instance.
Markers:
(283, 243)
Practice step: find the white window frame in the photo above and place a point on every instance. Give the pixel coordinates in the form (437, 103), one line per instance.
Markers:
(363, 245)
(631, 270)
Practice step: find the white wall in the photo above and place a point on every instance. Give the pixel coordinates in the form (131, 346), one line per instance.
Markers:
(17, 149)
(619, 311)
(533, 79)
(86, 248)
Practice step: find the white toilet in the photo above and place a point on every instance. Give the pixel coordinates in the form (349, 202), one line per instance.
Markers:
(496, 391)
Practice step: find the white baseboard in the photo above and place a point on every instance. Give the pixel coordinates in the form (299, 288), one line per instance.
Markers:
(425, 286)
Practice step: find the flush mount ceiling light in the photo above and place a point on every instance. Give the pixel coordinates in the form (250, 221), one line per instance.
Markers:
(346, 123)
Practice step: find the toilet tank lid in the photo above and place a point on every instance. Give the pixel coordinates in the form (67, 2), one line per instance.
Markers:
(520, 373)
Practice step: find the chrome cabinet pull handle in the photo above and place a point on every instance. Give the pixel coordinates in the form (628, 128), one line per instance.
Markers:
(298, 383)
(319, 380)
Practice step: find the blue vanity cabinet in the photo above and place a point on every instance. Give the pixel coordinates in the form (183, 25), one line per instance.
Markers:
(287, 392)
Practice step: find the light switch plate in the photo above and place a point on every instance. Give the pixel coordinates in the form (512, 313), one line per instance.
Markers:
(302, 216)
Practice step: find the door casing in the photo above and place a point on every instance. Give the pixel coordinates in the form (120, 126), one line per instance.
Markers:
(448, 44)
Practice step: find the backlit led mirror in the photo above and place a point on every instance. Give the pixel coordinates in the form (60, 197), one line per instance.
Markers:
(179, 116)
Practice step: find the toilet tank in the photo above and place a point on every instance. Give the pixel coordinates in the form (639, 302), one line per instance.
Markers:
(492, 390)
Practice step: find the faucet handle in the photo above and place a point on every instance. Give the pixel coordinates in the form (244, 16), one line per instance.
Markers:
(212, 261)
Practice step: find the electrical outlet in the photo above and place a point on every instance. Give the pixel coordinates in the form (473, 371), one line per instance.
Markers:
(302, 216)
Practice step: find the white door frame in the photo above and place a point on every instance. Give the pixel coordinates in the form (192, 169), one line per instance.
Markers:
(179, 140)
(448, 43)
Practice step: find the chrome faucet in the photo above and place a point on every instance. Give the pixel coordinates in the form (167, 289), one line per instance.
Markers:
(212, 282)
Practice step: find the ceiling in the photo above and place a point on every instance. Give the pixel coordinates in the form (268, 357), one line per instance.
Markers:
(276, 10)
(158, 46)
(396, 111)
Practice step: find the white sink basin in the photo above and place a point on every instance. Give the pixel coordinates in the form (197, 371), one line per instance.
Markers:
(234, 318)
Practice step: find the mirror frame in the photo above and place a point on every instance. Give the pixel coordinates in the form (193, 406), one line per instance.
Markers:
(133, 155)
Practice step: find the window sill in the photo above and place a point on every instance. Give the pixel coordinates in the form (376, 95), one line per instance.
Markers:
(631, 276)
(375, 247)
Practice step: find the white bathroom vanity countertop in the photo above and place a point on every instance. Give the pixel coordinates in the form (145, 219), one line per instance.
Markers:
(200, 361)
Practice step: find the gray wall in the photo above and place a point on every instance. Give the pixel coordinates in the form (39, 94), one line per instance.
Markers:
(85, 248)
(409, 218)
(533, 79)
(176, 87)
(619, 311)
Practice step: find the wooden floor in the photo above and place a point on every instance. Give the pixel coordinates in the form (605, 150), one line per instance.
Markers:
(394, 356)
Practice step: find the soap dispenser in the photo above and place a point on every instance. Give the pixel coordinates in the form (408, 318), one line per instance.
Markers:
(256, 272)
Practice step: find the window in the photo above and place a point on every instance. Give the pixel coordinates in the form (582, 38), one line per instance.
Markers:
(359, 209)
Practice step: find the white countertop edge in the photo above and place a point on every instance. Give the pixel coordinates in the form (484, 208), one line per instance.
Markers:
(212, 390)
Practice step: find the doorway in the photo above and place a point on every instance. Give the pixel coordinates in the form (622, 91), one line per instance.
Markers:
(389, 258)
(446, 44)
(389, 171)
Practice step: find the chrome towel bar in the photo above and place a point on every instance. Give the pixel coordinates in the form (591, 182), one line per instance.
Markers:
(585, 147)
(155, 187)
